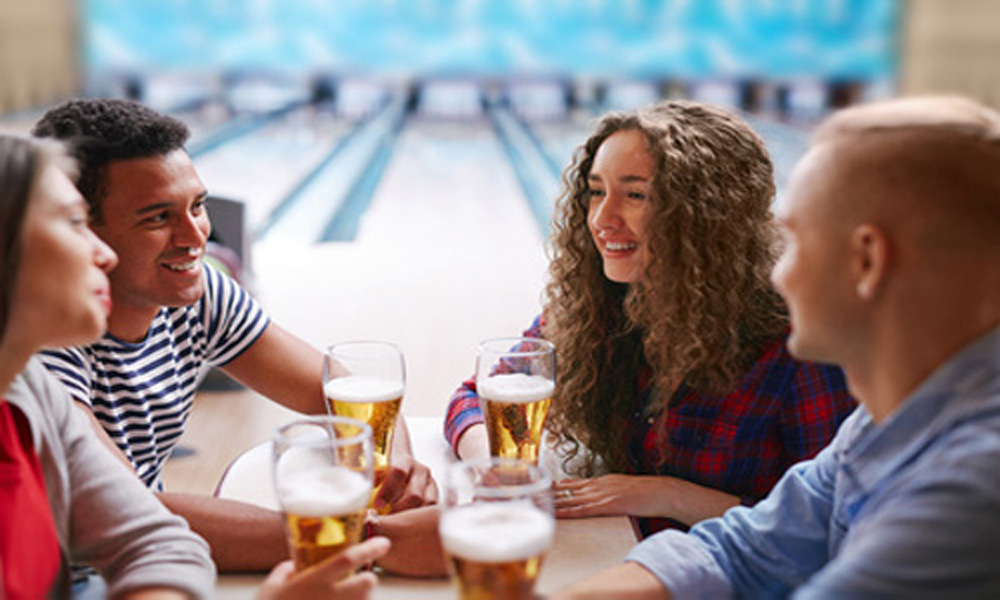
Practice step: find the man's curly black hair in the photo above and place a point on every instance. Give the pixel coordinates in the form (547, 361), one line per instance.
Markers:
(103, 130)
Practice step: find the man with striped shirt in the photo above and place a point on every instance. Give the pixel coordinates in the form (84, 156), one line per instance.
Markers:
(174, 315)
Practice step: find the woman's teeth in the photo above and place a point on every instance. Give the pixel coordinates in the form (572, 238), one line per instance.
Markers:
(618, 247)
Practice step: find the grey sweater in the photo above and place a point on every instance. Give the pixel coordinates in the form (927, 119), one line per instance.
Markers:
(104, 515)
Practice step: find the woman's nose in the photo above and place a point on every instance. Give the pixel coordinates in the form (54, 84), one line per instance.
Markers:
(606, 215)
(104, 257)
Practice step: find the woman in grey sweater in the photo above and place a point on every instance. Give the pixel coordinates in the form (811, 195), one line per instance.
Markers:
(54, 291)
(64, 499)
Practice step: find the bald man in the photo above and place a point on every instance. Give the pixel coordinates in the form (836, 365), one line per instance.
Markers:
(891, 269)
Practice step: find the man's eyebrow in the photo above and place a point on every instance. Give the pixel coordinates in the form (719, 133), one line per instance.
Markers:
(153, 208)
(158, 206)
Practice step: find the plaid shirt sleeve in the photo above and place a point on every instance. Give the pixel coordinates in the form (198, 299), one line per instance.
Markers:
(463, 408)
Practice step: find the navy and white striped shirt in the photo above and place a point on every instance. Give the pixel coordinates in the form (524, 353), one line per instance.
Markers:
(142, 393)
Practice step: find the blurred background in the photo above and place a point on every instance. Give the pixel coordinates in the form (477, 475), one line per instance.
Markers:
(387, 168)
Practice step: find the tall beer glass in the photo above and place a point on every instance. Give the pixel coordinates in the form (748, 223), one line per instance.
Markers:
(366, 381)
(515, 379)
(496, 525)
(323, 480)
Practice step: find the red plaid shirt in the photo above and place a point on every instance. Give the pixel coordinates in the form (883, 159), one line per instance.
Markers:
(741, 442)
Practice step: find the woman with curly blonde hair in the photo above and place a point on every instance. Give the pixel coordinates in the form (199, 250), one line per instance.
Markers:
(676, 397)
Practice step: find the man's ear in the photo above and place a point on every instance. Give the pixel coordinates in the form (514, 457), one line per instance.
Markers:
(869, 260)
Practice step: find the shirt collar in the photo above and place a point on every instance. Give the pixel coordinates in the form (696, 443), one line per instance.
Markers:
(955, 391)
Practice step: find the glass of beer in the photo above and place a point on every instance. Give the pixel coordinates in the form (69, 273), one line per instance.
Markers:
(496, 525)
(323, 480)
(366, 381)
(515, 379)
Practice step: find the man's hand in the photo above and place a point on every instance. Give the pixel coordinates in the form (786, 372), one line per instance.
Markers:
(628, 581)
(416, 545)
(329, 579)
(407, 484)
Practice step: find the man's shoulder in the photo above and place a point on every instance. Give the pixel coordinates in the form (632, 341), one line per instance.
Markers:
(218, 285)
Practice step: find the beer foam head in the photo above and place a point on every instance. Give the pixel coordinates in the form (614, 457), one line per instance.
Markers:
(493, 532)
(516, 388)
(309, 489)
(362, 388)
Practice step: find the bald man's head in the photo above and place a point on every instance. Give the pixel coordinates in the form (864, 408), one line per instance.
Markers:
(892, 221)
(924, 166)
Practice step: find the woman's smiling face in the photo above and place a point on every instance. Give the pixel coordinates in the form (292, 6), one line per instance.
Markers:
(621, 195)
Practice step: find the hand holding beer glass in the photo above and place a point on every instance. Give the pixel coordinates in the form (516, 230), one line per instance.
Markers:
(515, 379)
(323, 480)
(496, 525)
(366, 381)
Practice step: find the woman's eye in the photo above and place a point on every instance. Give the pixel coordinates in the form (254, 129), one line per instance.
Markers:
(595, 193)
(637, 195)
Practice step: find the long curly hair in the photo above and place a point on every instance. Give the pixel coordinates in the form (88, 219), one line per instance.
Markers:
(704, 306)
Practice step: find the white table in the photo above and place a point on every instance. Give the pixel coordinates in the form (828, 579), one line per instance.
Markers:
(581, 546)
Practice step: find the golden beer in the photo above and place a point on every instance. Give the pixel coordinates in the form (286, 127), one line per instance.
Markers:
(371, 400)
(312, 539)
(324, 508)
(515, 406)
(496, 549)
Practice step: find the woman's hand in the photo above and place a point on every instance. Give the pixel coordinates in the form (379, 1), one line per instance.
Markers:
(329, 579)
(635, 495)
(639, 496)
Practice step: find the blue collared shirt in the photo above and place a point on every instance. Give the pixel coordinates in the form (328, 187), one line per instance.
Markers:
(906, 508)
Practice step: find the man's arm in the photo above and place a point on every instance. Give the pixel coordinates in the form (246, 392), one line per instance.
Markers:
(289, 371)
(243, 537)
(284, 368)
(628, 581)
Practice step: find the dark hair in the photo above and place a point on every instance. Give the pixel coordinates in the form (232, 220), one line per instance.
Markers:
(21, 163)
(103, 130)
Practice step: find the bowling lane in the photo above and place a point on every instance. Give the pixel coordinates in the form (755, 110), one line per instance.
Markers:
(262, 167)
(447, 254)
(561, 137)
(786, 143)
